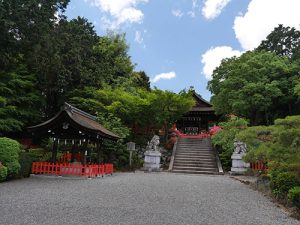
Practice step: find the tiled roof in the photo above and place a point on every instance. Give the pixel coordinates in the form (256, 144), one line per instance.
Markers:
(80, 118)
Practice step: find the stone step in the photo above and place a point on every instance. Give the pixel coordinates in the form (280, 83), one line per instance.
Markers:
(195, 172)
(194, 168)
(194, 158)
(198, 162)
(187, 165)
(195, 154)
(191, 144)
(194, 146)
(194, 149)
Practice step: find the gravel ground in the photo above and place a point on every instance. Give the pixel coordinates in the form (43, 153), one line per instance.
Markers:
(140, 198)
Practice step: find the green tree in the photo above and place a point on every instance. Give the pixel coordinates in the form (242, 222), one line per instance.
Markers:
(23, 23)
(19, 100)
(168, 107)
(140, 108)
(284, 41)
(141, 80)
(112, 57)
(256, 85)
(67, 63)
(27, 28)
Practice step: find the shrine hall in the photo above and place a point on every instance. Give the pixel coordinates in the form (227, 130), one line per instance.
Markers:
(199, 119)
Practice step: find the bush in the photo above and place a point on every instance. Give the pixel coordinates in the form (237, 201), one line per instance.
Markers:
(9, 156)
(25, 161)
(3, 173)
(282, 183)
(294, 197)
(223, 139)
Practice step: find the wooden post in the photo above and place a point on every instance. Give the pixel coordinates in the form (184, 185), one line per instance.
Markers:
(98, 149)
(54, 151)
(84, 150)
(74, 146)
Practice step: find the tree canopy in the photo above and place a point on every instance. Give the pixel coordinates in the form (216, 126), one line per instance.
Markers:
(256, 85)
(155, 108)
(49, 60)
(283, 41)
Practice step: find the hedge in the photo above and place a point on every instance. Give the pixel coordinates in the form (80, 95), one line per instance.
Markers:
(3, 173)
(9, 156)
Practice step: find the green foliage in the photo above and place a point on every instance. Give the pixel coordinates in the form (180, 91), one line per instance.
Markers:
(26, 161)
(282, 183)
(19, 100)
(3, 173)
(297, 90)
(114, 124)
(46, 59)
(223, 139)
(139, 107)
(114, 61)
(33, 155)
(9, 156)
(256, 85)
(294, 197)
(284, 41)
(279, 145)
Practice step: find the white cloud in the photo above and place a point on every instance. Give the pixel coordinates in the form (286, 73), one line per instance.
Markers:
(138, 37)
(164, 76)
(262, 17)
(121, 11)
(177, 13)
(192, 13)
(212, 58)
(213, 8)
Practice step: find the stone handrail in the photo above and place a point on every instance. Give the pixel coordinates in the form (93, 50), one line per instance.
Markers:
(219, 164)
(173, 156)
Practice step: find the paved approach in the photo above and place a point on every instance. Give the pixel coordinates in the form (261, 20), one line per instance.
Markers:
(137, 199)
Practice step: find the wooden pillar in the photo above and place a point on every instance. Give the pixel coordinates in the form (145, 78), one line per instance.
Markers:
(54, 151)
(74, 146)
(84, 149)
(98, 149)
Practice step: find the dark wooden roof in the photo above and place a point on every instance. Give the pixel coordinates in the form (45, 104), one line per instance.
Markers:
(201, 104)
(71, 122)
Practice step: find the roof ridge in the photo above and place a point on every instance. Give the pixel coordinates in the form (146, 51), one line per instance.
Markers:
(200, 97)
(72, 109)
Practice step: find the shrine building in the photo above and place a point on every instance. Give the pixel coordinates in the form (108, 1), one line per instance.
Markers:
(199, 119)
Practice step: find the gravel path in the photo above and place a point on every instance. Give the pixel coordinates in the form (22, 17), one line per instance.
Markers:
(137, 199)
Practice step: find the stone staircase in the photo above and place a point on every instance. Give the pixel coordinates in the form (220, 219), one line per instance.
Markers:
(196, 156)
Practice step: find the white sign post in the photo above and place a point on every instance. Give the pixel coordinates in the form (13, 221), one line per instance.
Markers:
(130, 148)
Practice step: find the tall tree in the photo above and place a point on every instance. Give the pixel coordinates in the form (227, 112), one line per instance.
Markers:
(284, 41)
(24, 25)
(20, 101)
(67, 63)
(112, 58)
(256, 85)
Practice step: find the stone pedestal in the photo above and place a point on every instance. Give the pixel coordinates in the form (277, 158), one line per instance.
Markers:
(152, 161)
(238, 165)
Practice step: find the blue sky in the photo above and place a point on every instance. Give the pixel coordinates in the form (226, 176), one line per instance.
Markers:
(178, 43)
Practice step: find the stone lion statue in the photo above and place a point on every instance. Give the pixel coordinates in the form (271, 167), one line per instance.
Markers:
(239, 147)
(154, 143)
